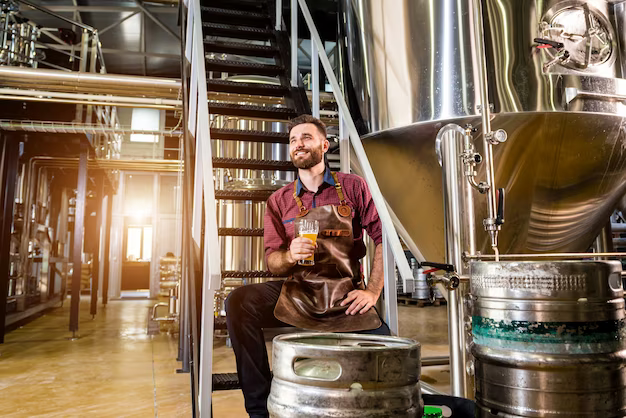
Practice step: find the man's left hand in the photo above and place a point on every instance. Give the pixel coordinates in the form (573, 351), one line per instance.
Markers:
(362, 301)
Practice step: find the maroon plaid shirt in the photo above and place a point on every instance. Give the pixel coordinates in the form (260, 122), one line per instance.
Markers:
(281, 210)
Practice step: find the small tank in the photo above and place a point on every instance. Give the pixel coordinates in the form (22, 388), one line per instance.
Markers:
(345, 375)
(549, 339)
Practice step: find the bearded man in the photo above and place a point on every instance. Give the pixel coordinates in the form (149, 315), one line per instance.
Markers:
(329, 295)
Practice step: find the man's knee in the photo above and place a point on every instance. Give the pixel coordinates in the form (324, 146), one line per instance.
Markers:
(235, 301)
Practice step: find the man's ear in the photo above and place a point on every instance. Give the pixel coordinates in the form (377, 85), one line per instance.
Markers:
(326, 145)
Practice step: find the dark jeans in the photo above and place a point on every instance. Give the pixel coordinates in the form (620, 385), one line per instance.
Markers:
(249, 309)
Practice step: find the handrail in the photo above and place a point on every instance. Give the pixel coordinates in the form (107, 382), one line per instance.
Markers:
(203, 190)
(318, 50)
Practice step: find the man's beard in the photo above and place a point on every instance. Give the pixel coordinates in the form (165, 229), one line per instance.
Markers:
(314, 158)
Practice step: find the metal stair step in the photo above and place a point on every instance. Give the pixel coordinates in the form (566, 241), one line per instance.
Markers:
(242, 67)
(240, 232)
(241, 163)
(225, 381)
(254, 89)
(255, 195)
(240, 48)
(251, 136)
(249, 274)
(236, 31)
(263, 112)
(235, 16)
(244, 5)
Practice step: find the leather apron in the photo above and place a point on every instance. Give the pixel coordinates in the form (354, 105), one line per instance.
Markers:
(311, 297)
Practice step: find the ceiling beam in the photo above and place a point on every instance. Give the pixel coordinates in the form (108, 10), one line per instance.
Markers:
(156, 20)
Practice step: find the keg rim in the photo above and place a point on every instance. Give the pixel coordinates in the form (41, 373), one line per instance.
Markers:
(403, 343)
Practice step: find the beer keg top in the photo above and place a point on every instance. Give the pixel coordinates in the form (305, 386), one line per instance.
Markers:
(590, 280)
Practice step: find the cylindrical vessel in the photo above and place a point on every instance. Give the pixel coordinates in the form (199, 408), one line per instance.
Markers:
(549, 339)
(345, 375)
(422, 288)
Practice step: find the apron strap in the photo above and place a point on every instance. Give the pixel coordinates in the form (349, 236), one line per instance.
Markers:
(301, 208)
(342, 198)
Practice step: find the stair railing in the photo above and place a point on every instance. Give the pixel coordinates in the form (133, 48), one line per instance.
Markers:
(203, 191)
(392, 248)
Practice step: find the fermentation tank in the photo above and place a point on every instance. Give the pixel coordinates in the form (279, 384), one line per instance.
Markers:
(555, 78)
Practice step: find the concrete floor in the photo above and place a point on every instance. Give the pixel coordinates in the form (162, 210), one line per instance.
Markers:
(115, 369)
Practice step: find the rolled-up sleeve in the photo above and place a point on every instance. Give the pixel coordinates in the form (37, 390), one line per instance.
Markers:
(369, 215)
(274, 234)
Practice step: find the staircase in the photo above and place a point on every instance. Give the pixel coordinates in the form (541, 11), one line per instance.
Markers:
(248, 86)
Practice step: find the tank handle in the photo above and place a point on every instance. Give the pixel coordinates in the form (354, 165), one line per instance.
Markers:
(324, 369)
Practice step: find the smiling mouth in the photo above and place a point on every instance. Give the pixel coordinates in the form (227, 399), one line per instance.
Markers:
(300, 153)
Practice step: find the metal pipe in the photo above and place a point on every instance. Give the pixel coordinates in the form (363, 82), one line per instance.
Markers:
(81, 82)
(435, 361)
(460, 236)
(58, 16)
(479, 40)
(294, 43)
(96, 97)
(78, 128)
(88, 102)
(390, 289)
(430, 390)
(572, 256)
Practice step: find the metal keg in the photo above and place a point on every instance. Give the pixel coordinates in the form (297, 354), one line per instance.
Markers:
(422, 288)
(345, 375)
(549, 339)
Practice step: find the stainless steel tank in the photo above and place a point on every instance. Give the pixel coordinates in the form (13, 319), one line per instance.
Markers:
(345, 375)
(549, 339)
(246, 253)
(414, 68)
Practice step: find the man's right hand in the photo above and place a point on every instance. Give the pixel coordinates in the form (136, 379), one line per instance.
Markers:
(300, 249)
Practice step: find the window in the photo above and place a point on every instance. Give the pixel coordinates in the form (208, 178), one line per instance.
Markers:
(139, 243)
(148, 120)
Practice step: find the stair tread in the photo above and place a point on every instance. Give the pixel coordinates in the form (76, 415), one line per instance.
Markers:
(242, 67)
(240, 48)
(234, 109)
(240, 232)
(233, 12)
(237, 31)
(242, 163)
(258, 89)
(252, 136)
(225, 381)
(238, 4)
(257, 195)
(248, 274)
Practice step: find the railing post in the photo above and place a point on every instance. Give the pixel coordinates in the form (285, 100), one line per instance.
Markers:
(344, 145)
(279, 15)
(390, 289)
(315, 78)
(294, 43)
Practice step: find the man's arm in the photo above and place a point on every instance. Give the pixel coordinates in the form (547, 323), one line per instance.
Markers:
(282, 261)
(362, 301)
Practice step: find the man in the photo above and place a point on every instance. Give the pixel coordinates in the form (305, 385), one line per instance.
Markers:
(327, 296)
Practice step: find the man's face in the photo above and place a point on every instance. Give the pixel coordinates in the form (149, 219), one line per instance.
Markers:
(306, 145)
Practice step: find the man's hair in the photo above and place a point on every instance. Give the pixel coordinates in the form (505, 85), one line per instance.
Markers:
(321, 127)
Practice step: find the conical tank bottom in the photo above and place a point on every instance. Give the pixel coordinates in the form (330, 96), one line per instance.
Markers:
(563, 172)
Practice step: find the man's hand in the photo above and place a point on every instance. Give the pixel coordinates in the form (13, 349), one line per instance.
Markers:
(300, 249)
(362, 301)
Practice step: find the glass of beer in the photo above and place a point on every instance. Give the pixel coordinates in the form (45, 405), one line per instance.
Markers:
(308, 229)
